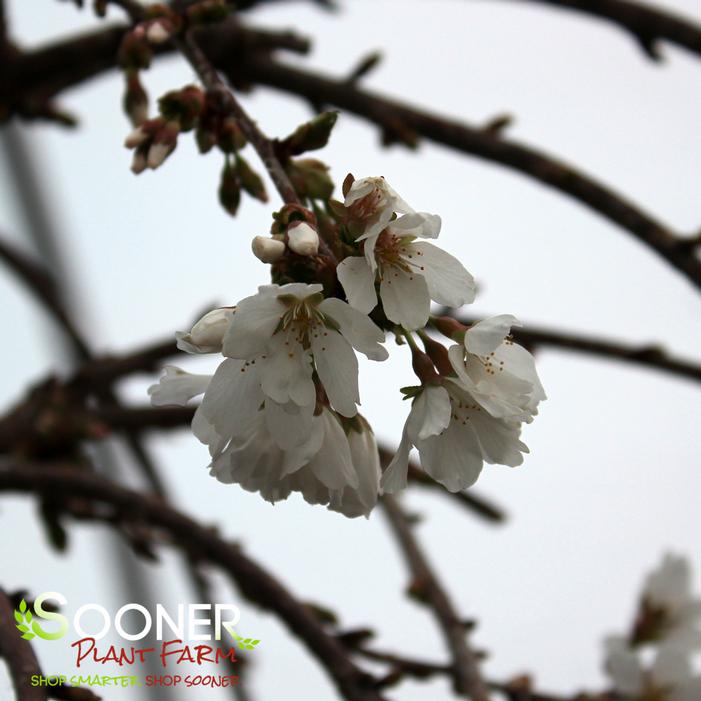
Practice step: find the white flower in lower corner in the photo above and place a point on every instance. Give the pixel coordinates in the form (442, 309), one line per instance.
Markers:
(207, 335)
(291, 331)
(454, 437)
(668, 609)
(670, 677)
(332, 468)
(499, 374)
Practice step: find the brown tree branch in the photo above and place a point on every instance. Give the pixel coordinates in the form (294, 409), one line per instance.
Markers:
(258, 585)
(651, 356)
(467, 679)
(647, 24)
(18, 653)
(73, 61)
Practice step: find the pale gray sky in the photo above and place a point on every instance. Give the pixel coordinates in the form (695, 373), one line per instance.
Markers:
(612, 480)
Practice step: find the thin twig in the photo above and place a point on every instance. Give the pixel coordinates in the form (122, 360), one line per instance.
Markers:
(646, 23)
(651, 356)
(258, 585)
(467, 679)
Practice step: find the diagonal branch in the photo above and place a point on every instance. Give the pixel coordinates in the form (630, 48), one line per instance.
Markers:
(467, 679)
(482, 143)
(257, 584)
(646, 23)
(651, 356)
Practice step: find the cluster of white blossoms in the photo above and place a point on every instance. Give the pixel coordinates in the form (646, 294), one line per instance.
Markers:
(280, 414)
(656, 661)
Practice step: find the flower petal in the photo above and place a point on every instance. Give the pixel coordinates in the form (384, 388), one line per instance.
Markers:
(623, 667)
(289, 425)
(421, 224)
(333, 464)
(394, 478)
(254, 322)
(357, 328)
(338, 370)
(358, 281)
(286, 373)
(430, 413)
(448, 281)
(486, 336)
(405, 298)
(177, 387)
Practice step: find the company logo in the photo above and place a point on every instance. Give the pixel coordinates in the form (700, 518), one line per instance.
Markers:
(199, 622)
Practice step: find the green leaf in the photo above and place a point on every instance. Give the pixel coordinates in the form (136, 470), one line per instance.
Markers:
(18, 617)
(28, 636)
(28, 616)
(21, 627)
(247, 640)
(255, 642)
(23, 606)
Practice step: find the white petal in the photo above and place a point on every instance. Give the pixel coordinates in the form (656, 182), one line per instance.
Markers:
(289, 425)
(623, 667)
(205, 432)
(672, 666)
(333, 465)
(338, 370)
(286, 373)
(670, 584)
(486, 336)
(358, 281)
(177, 387)
(357, 328)
(394, 478)
(421, 224)
(366, 462)
(430, 413)
(233, 397)
(254, 322)
(448, 281)
(301, 290)
(453, 458)
(405, 298)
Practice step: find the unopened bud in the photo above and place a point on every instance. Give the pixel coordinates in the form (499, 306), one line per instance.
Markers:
(310, 178)
(158, 153)
(135, 100)
(267, 249)
(251, 182)
(230, 190)
(157, 32)
(449, 327)
(136, 138)
(311, 135)
(138, 163)
(303, 239)
(210, 329)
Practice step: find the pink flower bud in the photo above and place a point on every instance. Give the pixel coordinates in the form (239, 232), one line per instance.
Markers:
(302, 239)
(267, 249)
(136, 138)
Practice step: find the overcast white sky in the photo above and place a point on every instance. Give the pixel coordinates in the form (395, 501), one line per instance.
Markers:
(612, 480)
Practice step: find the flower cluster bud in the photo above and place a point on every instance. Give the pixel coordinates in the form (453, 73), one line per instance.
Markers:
(134, 52)
(217, 129)
(288, 215)
(153, 141)
(230, 189)
(302, 239)
(438, 354)
(310, 178)
(449, 327)
(423, 367)
(267, 248)
(135, 99)
(183, 106)
(310, 136)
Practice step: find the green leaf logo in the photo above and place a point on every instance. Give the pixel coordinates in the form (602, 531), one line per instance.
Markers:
(245, 643)
(23, 616)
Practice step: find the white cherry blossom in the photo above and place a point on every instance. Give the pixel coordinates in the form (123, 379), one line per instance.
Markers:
(668, 609)
(291, 330)
(302, 239)
(670, 677)
(177, 387)
(411, 272)
(499, 374)
(455, 436)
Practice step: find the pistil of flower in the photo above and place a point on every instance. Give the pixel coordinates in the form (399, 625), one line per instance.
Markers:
(302, 318)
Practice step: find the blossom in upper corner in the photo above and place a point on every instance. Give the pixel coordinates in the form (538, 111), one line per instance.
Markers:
(207, 335)
(455, 436)
(670, 677)
(291, 331)
(499, 374)
(411, 272)
(668, 610)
